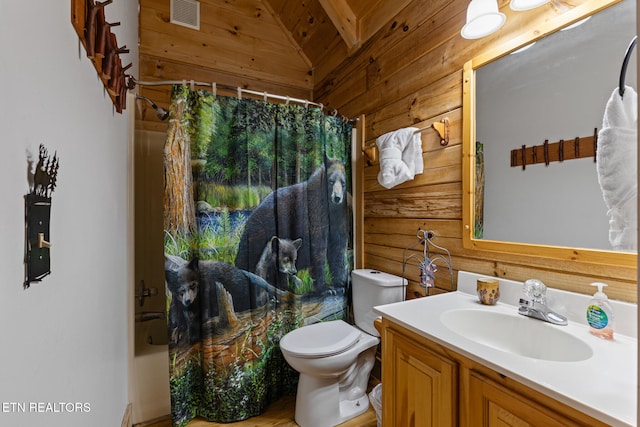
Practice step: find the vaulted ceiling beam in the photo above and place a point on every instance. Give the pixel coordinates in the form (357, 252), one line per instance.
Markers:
(344, 20)
(287, 32)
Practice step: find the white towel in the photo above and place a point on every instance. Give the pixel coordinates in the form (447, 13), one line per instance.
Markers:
(617, 167)
(400, 156)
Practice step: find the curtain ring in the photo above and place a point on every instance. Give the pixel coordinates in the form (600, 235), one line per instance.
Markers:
(214, 90)
(192, 85)
(264, 94)
(288, 99)
(239, 93)
(306, 104)
(335, 113)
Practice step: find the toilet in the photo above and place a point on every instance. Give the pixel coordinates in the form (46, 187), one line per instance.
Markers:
(334, 358)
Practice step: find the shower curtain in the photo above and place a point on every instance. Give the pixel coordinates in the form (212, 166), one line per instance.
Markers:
(258, 230)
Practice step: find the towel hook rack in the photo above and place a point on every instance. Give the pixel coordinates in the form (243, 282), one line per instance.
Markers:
(623, 71)
(442, 128)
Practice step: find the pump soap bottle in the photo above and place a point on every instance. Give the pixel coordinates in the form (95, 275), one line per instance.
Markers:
(600, 314)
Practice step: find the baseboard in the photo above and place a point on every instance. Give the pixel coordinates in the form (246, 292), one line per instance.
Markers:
(126, 418)
(155, 421)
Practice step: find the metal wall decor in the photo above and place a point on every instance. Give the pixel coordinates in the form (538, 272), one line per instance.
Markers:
(428, 260)
(37, 218)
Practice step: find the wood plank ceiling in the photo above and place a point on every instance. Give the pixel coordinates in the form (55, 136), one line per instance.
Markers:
(285, 47)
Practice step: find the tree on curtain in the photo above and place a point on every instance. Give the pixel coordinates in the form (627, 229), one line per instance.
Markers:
(179, 209)
(257, 243)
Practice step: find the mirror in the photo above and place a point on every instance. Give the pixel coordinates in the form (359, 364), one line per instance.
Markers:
(566, 78)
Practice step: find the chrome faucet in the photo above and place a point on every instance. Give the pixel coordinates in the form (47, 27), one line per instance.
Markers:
(534, 303)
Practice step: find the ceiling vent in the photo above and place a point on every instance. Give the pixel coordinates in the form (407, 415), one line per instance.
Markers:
(186, 13)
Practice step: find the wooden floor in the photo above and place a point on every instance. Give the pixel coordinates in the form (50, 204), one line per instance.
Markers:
(280, 413)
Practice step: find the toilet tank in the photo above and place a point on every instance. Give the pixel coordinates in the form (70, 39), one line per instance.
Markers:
(372, 288)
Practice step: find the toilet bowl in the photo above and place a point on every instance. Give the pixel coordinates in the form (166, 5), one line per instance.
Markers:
(334, 358)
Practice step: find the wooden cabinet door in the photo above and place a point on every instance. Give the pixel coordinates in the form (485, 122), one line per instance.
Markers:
(419, 386)
(492, 405)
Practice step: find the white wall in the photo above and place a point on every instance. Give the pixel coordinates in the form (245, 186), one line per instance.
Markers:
(64, 339)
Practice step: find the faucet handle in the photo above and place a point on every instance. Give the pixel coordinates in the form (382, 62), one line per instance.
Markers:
(535, 290)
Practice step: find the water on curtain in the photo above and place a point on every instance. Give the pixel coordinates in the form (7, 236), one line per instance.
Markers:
(257, 243)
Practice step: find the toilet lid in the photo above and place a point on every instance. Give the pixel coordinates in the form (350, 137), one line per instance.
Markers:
(320, 339)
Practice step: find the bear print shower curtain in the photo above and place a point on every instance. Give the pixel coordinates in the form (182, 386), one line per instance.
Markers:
(258, 242)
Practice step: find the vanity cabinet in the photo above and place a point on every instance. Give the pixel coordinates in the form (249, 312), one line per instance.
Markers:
(426, 384)
(420, 386)
(494, 405)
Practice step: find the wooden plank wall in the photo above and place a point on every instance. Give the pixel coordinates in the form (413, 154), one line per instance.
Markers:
(277, 46)
(239, 44)
(410, 74)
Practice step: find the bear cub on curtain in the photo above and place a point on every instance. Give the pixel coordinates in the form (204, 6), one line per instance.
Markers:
(184, 312)
(277, 265)
(194, 286)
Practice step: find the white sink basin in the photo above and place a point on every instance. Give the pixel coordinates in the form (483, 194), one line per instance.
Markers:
(517, 334)
(594, 376)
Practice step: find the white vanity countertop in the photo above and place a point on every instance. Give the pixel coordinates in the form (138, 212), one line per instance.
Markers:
(603, 386)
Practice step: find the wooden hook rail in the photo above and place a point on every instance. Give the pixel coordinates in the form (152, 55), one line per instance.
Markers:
(101, 45)
(577, 148)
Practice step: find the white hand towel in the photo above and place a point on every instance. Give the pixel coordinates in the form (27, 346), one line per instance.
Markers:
(617, 167)
(400, 156)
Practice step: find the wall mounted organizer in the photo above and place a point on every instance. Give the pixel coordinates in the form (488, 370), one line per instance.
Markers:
(37, 218)
(101, 45)
(427, 261)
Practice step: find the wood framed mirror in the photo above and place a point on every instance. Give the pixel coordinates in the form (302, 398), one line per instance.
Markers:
(555, 251)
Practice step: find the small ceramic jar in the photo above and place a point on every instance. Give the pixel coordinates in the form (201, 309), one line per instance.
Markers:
(488, 291)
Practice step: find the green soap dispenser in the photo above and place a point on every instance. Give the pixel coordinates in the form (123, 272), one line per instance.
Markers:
(600, 314)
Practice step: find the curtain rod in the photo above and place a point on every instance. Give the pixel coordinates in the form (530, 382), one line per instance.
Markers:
(132, 82)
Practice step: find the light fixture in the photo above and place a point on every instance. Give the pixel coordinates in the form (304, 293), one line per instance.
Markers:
(483, 18)
(520, 5)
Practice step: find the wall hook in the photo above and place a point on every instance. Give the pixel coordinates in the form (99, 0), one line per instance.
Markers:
(370, 153)
(442, 127)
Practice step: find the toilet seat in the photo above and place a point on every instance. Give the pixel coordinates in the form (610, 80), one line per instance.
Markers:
(321, 339)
